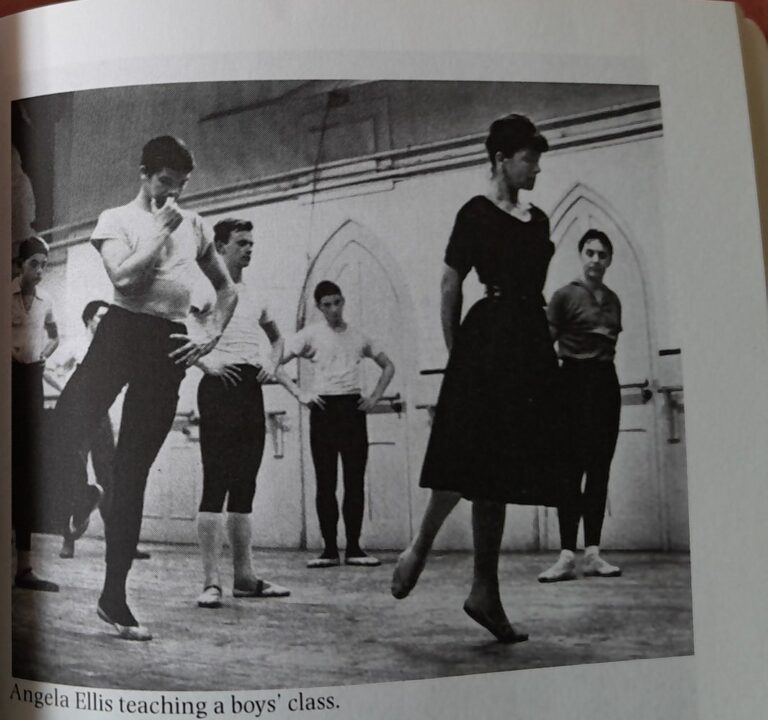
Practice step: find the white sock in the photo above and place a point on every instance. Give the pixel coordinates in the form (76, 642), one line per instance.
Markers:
(239, 528)
(566, 555)
(592, 550)
(210, 530)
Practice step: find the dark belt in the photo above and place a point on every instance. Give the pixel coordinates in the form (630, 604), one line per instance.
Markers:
(499, 292)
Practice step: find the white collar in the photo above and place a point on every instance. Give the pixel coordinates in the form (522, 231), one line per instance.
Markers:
(16, 288)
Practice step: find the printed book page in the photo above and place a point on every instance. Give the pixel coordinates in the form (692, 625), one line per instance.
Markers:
(383, 360)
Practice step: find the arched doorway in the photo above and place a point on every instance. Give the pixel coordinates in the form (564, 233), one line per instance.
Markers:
(378, 303)
(635, 516)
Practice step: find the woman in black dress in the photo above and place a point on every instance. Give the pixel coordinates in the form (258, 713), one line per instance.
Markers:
(493, 438)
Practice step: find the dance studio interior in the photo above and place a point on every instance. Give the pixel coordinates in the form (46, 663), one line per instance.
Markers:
(359, 182)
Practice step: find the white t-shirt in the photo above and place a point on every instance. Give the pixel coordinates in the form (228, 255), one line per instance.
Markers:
(167, 295)
(28, 333)
(244, 340)
(335, 355)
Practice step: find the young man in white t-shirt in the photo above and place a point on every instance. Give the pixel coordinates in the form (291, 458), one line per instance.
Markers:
(34, 336)
(149, 248)
(337, 423)
(232, 424)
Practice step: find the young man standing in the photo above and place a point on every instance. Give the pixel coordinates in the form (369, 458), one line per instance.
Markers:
(102, 445)
(337, 423)
(148, 248)
(585, 320)
(34, 337)
(232, 423)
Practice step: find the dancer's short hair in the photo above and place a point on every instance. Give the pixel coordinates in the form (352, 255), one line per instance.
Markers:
(168, 152)
(600, 236)
(325, 288)
(511, 134)
(224, 228)
(32, 246)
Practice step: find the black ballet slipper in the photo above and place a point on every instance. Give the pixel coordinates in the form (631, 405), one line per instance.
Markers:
(28, 580)
(503, 633)
(129, 628)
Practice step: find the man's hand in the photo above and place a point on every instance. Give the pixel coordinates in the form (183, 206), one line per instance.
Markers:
(168, 217)
(366, 404)
(192, 349)
(264, 376)
(229, 373)
(308, 399)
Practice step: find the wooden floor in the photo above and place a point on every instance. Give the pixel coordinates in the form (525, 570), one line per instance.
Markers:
(340, 626)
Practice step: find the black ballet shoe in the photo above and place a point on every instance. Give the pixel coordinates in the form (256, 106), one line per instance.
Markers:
(129, 628)
(27, 580)
(503, 633)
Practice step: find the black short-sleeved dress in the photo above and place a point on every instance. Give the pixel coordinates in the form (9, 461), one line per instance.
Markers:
(498, 430)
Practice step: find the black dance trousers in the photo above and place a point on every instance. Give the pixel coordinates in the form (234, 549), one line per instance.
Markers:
(339, 430)
(128, 349)
(26, 425)
(232, 432)
(593, 406)
(102, 451)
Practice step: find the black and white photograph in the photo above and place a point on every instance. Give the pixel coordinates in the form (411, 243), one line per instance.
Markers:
(338, 382)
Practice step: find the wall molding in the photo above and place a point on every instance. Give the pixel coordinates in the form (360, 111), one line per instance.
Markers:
(380, 171)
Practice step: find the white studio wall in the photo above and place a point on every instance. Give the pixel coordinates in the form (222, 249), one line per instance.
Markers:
(379, 225)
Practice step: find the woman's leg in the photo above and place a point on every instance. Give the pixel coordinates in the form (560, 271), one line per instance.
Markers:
(484, 602)
(412, 560)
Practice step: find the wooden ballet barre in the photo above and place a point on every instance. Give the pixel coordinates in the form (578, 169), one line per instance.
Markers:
(646, 394)
(673, 407)
(277, 427)
(389, 404)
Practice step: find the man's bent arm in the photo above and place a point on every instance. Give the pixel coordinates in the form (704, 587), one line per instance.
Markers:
(276, 341)
(53, 341)
(226, 293)
(129, 269)
(387, 373)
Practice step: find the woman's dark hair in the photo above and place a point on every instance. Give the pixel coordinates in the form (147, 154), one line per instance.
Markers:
(224, 228)
(168, 152)
(512, 133)
(598, 235)
(91, 309)
(325, 288)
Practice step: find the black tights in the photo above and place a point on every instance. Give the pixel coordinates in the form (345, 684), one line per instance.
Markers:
(232, 433)
(26, 450)
(339, 430)
(594, 402)
(128, 349)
